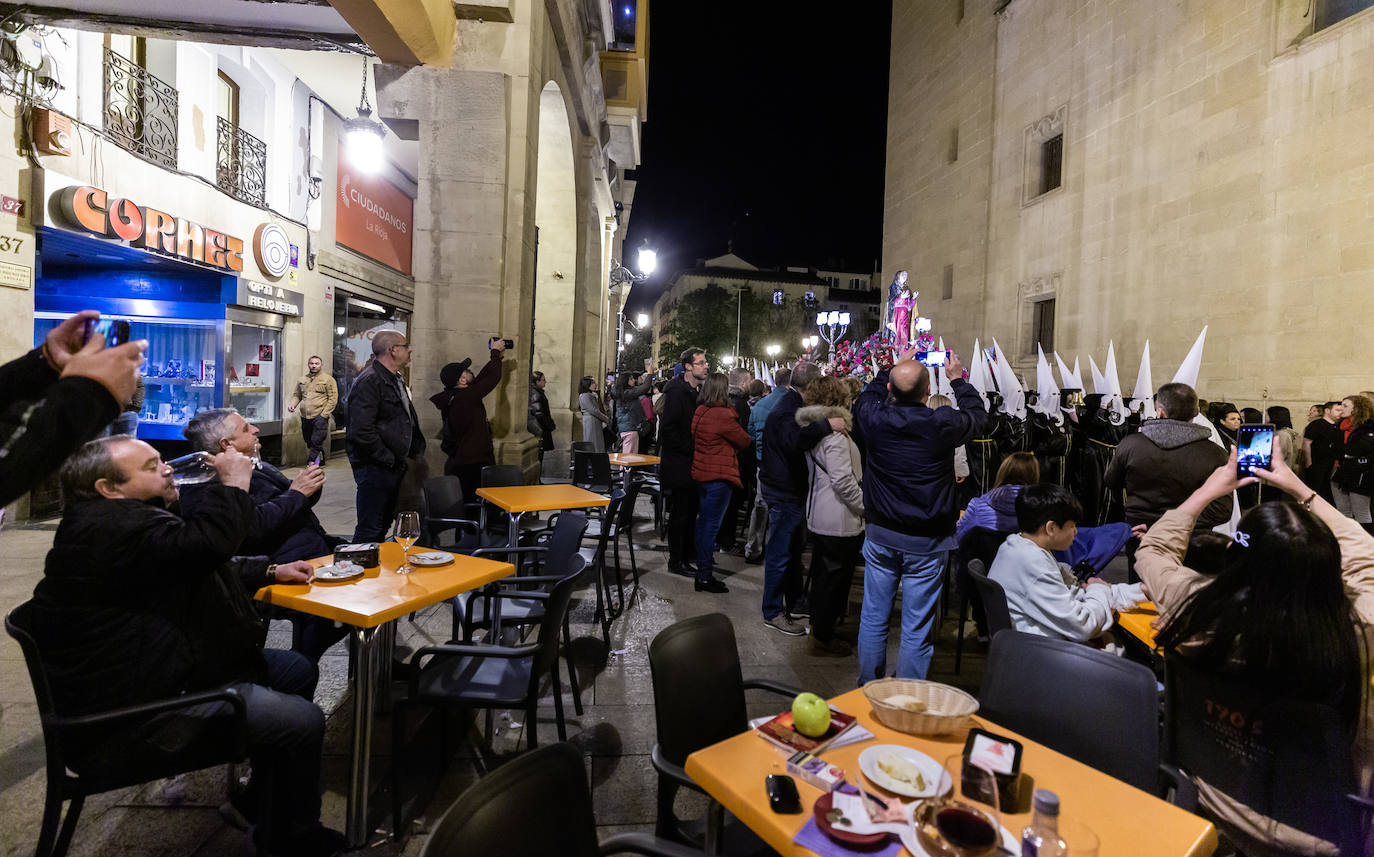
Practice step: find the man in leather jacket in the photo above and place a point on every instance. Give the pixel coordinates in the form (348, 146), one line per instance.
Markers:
(383, 434)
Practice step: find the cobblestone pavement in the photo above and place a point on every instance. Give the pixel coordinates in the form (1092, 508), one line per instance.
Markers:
(616, 732)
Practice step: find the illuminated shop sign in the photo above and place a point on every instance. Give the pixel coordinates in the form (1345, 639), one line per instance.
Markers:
(90, 209)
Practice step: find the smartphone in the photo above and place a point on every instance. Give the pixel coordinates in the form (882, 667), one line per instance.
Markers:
(116, 331)
(932, 358)
(782, 793)
(318, 460)
(1254, 448)
(510, 343)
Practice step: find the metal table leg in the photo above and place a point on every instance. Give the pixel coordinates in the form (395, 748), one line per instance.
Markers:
(364, 693)
(386, 654)
(715, 823)
(512, 541)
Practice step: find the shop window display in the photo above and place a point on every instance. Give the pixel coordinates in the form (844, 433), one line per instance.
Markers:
(254, 372)
(180, 372)
(356, 321)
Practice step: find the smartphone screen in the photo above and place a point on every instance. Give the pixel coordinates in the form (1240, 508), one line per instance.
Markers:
(932, 358)
(115, 331)
(1254, 448)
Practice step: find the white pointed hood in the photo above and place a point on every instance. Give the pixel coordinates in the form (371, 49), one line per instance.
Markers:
(975, 375)
(1047, 392)
(1071, 380)
(1115, 402)
(1099, 383)
(1144, 392)
(1013, 396)
(1188, 372)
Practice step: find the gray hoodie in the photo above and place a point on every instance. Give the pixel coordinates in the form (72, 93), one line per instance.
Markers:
(1161, 465)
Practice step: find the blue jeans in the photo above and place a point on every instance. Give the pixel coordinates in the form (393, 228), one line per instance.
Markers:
(921, 576)
(378, 488)
(782, 556)
(715, 497)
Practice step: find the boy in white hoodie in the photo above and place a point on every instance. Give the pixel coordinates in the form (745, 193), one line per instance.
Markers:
(1043, 595)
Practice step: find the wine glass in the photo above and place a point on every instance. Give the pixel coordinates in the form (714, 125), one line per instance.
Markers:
(963, 821)
(406, 532)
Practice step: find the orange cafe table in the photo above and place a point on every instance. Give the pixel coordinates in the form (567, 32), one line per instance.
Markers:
(620, 459)
(369, 605)
(516, 500)
(1129, 822)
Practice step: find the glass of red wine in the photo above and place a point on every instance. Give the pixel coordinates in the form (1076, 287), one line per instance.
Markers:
(964, 821)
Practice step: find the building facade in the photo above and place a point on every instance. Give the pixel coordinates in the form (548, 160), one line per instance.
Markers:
(1079, 171)
(206, 192)
(812, 289)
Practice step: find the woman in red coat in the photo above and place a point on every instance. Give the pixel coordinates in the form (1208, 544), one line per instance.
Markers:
(716, 436)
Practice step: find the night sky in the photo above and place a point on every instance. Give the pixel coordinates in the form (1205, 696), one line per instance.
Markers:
(767, 125)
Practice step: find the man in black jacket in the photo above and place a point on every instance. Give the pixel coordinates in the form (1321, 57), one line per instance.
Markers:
(287, 529)
(784, 480)
(57, 397)
(383, 434)
(675, 468)
(137, 603)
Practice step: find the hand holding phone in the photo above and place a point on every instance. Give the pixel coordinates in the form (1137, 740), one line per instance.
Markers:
(1254, 448)
(932, 358)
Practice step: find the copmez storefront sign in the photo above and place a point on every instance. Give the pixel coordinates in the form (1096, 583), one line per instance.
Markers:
(90, 209)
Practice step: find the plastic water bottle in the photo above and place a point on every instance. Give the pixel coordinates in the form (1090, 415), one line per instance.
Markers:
(1041, 837)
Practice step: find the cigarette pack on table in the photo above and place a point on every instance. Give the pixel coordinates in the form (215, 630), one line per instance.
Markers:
(362, 554)
(816, 771)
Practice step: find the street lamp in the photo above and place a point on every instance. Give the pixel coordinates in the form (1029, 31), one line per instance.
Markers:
(810, 342)
(773, 350)
(832, 326)
(363, 135)
(728, 360)
(642, 320)
(629, 337)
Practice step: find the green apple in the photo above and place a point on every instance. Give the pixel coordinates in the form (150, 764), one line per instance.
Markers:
(810, 714)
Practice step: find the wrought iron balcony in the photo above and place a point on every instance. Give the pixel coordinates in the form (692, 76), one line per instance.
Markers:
(140, 111)
(241, 167)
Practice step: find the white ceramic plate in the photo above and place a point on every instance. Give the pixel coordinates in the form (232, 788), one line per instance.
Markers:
(427, 558)
(912, 844)
(335, 573)
(937, 781)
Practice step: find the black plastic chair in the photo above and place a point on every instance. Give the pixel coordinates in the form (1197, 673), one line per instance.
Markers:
(602, 539)
(486, 676)
(994, 598)
(534, 806)
(553, 560)
(76, 769)
(447, 520)
(1287, 759)
(982, 544)
(607, 532)
(592, 470)
(693, 660)
(1098, 708)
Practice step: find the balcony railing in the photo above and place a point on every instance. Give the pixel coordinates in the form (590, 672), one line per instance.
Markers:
(140, 111)
(241, 166)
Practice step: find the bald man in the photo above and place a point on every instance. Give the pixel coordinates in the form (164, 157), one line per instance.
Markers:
(383, 434)
(909, 506)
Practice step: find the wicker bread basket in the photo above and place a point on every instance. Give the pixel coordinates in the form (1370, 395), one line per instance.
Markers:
(948, 708)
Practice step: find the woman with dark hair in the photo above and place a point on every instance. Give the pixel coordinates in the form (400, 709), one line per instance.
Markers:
(716, 438)
(1353, 479)
(594, 420)
(1279, 416)
(996, 510)
(629, 413)
(1251, 416)
(1290, 610)
(1227, 421)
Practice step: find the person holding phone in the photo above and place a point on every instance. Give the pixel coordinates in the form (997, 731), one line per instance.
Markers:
(57, 397)
(466, 437)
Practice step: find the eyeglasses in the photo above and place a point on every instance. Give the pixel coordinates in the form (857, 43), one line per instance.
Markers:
(701, 362)
(405, 345)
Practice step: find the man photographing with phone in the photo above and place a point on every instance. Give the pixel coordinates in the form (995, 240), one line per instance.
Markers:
(57, 397)
(466, 436)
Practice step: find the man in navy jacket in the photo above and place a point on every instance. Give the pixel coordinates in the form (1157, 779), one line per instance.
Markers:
(783, 480)
(909, 506)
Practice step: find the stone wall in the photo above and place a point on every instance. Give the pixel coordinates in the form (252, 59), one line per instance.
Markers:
(1217, 169)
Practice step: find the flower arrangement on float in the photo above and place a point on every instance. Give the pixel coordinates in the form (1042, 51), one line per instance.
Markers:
(858, 358)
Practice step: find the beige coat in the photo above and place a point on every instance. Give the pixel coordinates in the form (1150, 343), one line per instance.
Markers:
(834, 502)
(1159, 561)
(318, 395)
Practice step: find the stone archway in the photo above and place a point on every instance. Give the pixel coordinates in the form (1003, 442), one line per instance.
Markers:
(557, 270)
